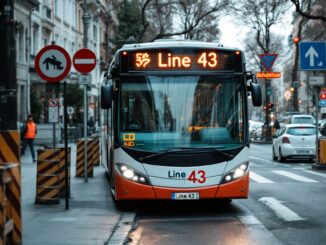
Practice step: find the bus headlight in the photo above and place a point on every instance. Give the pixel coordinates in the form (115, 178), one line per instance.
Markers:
(131, 174)
(235, 173)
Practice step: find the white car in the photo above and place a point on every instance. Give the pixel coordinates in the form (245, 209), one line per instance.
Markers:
(254, 127)
(295, 141)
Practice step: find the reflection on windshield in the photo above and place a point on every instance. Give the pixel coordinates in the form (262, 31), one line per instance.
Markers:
(160, 113)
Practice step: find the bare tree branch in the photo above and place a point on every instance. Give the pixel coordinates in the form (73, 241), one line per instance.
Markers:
(307, 15)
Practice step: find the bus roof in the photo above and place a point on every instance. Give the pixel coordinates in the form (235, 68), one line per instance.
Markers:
(174, 43)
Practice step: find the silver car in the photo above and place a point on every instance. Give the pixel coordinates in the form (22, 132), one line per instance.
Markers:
(295, 141)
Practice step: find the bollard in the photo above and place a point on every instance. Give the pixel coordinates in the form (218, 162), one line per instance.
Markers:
(48, 176)
(80, 158)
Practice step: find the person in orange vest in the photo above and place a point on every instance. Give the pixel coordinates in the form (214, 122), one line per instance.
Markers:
(29, 134)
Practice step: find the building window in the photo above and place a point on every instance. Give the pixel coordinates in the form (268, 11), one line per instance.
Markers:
(35, 36)
(94, 33)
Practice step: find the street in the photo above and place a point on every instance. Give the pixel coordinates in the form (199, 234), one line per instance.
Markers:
(285, 206)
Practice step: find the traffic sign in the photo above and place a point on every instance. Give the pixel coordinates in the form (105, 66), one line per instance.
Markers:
(84, 60)
(85, 79)
(312, 55)
(322, 96)
(268, 75)
(70, 110)
(53, 102)
(268, 60)
(322, 103)
(52, 63)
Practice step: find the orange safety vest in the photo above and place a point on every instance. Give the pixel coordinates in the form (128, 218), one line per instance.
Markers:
(30, 130)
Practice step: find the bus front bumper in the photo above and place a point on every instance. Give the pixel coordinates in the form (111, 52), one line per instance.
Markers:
(129, 190)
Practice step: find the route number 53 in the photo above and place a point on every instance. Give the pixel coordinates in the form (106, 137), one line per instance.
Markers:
(199, 176)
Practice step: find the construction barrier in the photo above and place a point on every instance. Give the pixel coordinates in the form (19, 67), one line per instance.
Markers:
(48, 176)
(96, 151)
(10, 221)
(80, 163)
(322, 151)
(63, 172)
(10, 165)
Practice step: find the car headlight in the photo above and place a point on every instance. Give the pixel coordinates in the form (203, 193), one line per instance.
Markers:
(235, 173)
(131, 174)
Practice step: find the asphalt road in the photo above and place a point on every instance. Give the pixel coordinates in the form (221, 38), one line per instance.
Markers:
(287, 205)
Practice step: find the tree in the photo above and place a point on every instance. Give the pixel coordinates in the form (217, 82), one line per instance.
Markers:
(302, 7)
(130, 22)
(154, 19)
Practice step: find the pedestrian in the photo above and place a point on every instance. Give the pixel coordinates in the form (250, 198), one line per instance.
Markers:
(29, 134)
(277, 124)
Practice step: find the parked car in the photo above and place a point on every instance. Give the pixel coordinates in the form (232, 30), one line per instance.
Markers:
(295, 141)
(300, 119)
(254, 126)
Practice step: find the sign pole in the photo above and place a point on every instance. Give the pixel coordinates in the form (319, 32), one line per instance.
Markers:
(66, 143)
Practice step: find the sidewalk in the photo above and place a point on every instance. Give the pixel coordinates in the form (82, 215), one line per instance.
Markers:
(91, 218)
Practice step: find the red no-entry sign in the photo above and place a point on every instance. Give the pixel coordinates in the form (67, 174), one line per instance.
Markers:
(84, 60)
(52, 63)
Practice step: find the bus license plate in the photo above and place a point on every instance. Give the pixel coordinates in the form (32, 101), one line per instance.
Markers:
(185, 195)
(303, 152)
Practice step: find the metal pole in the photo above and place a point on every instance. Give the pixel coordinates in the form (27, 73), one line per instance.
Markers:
(316, 113)
(66, 143)
(86, 18)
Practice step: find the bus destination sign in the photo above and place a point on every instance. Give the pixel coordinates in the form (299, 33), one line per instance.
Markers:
(180, 60)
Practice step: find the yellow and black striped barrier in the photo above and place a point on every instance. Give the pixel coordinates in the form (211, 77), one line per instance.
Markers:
(80, 166)
(48, 176)
(63, 172)
(10, 216)
(96, 151)
(10, 160)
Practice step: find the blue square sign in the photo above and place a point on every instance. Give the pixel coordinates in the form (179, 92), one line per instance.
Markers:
(312, 55)
(322, 103)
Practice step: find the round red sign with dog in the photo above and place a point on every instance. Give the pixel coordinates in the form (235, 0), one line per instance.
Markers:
(52, 63)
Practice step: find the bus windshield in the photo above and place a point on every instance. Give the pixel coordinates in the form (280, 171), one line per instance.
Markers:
(160, 113)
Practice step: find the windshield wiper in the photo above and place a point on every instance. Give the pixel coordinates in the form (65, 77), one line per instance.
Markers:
(186, 150)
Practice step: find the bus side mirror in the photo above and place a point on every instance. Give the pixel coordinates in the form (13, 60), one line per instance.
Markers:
(256, 94)
(106, 96)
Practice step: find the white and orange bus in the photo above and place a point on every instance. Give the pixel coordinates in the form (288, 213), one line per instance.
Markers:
(176, 121)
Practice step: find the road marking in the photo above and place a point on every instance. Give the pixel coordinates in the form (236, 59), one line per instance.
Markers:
(294, 176)
(261, 159)
(315, 173)
(259, 179)
(280, 210)
(63, 219)
(122, 229)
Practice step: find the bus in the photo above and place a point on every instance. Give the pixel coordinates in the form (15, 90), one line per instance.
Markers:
(176, 121)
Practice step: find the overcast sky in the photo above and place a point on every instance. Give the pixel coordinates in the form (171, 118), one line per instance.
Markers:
(233, 34)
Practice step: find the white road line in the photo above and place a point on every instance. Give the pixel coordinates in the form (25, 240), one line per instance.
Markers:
(294, 176)
(84, 61)
(315, 173)
(280, 210)
(261, 159)
(259, 179)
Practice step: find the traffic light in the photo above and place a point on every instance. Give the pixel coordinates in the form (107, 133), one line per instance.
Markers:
(296, 39)
(270, 105)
